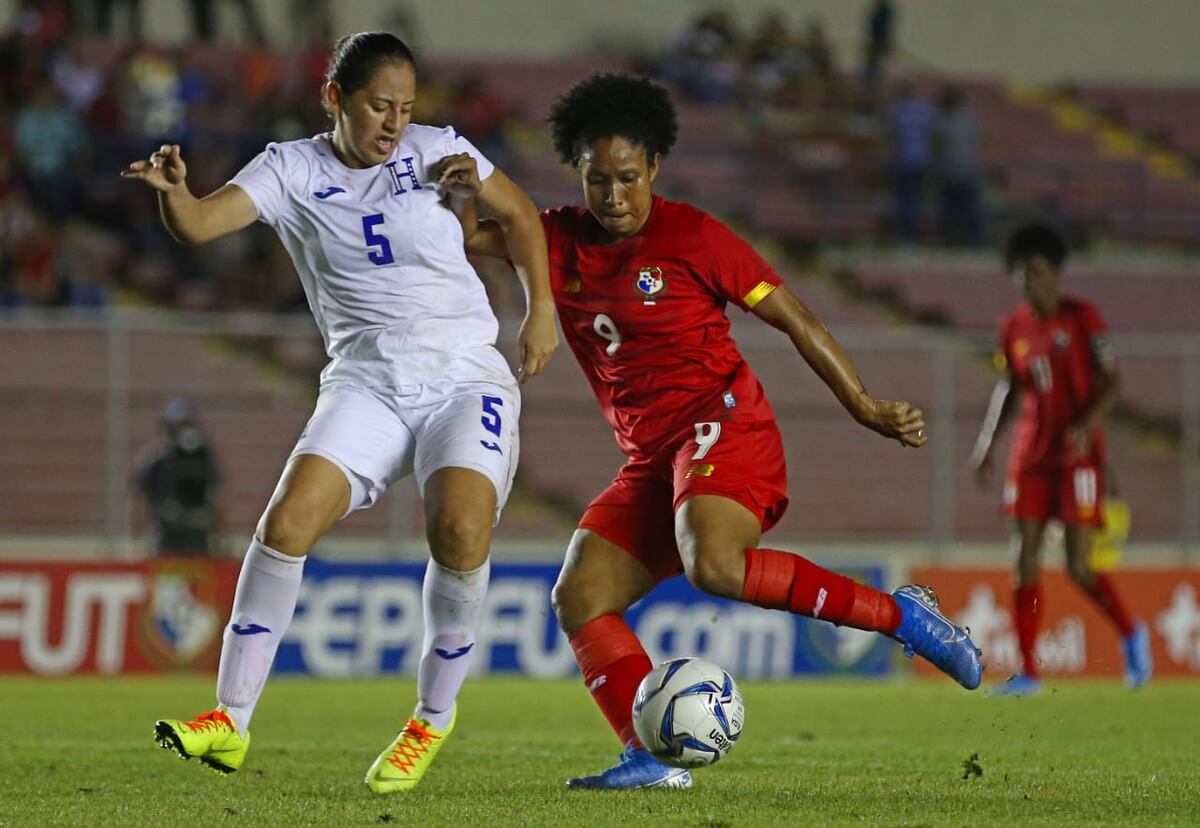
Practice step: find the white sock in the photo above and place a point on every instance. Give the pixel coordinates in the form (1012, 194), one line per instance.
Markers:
(262, 609)
(451, 602)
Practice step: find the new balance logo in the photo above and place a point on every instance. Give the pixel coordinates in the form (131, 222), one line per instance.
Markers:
(450, 656)
(822, 594)
(249, 629)
(324, 194)
(597, 683)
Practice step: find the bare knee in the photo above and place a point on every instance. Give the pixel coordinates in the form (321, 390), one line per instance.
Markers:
(1028, 543)
(1080, 570)
(311, 496)
(719, 572)
(1027, 569)
(459, 541)
(288, 527)
(578, 598)
(575, 603)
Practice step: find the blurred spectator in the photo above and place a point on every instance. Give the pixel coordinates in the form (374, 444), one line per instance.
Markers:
(481, 115)
(178, 479)
(880, 24)
(704, 60)
(50, 142)
(79, 82)
(773, 63)
(821, 59)
(103, 9)
(958, 171)
(912, 124)
(153, 98)
(204, 20)
(43, 22)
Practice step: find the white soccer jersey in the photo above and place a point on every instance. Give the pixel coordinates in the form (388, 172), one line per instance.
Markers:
(381, 259)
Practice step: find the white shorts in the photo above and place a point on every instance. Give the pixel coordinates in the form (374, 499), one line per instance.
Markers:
(376, 438)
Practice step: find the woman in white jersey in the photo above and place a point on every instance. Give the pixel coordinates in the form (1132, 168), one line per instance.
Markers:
(414, 384)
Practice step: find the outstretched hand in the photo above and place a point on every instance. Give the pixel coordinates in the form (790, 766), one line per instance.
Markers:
(899, 421)
(164, 171)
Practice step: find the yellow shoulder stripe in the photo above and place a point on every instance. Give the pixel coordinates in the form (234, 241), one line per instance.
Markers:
(760, 292)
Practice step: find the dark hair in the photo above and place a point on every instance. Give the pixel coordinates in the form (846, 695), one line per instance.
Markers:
(1035, 240)
(604, 105)
(356, 57)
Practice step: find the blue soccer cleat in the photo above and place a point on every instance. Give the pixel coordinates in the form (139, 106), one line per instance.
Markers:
(924, 631)
(635, 769)
(1022, 684)
(1135, 650)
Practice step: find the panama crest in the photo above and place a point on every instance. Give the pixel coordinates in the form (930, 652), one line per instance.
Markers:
(650, 282)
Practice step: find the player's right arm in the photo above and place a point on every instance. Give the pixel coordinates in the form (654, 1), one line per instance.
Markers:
(899, 420)
(189, 219)
(999, 412)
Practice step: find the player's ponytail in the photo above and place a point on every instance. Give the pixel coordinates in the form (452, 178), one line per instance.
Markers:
(356, 58)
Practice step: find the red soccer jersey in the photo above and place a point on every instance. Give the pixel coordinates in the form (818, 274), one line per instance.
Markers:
(645, 317)
(1052, 364)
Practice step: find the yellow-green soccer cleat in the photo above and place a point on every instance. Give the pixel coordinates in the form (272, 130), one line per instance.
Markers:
(210, 737)
(401, 766)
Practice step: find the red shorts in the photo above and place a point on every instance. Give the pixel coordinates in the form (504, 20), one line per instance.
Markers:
(741, 461)
(1073, 493)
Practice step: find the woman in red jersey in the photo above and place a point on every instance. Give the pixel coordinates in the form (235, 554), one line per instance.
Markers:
(1058, 366)
(641, 284)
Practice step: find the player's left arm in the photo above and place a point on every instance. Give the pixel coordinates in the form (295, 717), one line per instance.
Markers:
(524, 241)
(898, 420)
(1106, 384)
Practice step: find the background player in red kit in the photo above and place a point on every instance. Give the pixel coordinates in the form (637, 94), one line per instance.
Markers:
(641, 285)
(1057, 361)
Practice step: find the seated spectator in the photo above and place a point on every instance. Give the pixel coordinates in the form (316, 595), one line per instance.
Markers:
(79, 81)
(481, 115)
(704, 60)
(50, 142)
(773, 64)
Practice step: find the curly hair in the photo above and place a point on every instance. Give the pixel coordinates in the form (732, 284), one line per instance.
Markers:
(604, 105)
(1035, 240)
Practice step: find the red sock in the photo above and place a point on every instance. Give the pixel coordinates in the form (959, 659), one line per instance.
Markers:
(781, 580)
(613, 664)
(1105, 595)
(1029, 606)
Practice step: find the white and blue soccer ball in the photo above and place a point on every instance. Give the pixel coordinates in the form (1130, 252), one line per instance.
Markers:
(688, 712)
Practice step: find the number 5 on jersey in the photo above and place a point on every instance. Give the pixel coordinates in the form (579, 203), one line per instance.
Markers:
(382, 256)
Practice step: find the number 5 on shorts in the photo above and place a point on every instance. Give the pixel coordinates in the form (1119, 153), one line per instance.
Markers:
(491, 421)
(707, 435)
(491, 417)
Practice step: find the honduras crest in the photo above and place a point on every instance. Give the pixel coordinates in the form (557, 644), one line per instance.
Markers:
(650, 282)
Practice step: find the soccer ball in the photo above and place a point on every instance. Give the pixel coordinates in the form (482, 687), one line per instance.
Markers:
(688, 712)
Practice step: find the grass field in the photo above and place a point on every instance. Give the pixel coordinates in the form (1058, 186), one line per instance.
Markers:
(80, 752)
